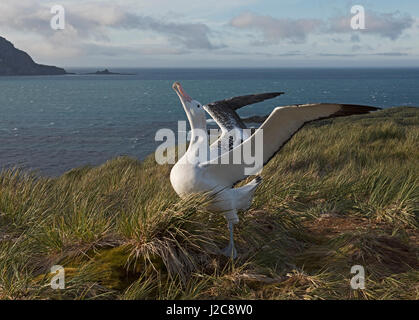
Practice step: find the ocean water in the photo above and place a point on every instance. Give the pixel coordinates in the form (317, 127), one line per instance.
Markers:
(52, 124)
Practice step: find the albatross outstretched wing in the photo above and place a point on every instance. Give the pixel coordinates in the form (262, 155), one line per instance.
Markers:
(224, 114)
(223, 111)
(280, 126)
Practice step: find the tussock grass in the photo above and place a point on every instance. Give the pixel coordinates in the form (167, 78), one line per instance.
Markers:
(342, 192)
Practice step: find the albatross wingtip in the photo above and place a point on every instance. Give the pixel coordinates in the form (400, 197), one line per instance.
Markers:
(350, 109)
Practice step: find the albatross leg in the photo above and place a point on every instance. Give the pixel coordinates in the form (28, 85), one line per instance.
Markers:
(230, 250)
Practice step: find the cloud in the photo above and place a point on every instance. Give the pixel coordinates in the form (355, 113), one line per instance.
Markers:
(387, 54)
(362, 47)
(121, 51)
(386, 25)
(230, 52)
(190, 35)
(275, 30)
(337, 55)
(140, 31)
(391, 54)
(92, 20)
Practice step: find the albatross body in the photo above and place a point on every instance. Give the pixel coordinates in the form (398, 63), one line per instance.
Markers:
(207, 168)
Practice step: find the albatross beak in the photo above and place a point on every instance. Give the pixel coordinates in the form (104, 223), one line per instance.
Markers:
(181, 93)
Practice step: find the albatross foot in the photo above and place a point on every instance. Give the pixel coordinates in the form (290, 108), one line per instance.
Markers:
(230, 251)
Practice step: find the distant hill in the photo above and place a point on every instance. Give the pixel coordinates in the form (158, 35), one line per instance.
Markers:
(15, 62)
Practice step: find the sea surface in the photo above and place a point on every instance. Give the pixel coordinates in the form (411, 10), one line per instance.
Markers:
(51, 124)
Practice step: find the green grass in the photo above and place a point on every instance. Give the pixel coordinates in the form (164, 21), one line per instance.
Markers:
(342, 192)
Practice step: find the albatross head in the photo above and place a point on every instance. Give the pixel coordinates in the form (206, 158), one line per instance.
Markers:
(193, 109)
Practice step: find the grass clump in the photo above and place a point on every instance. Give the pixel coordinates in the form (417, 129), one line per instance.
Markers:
(342, 192)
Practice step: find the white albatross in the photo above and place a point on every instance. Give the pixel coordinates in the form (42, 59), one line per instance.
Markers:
(218, 175)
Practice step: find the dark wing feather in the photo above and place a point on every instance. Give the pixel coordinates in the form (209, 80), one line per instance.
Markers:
(224, 114)
(238, 102)
(225, 117)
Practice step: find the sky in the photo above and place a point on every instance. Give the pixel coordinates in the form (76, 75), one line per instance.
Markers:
(216, 33)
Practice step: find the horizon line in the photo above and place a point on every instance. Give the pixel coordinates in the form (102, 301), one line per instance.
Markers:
(245, 68)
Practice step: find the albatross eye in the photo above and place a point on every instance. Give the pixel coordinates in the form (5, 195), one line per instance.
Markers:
(198, 105)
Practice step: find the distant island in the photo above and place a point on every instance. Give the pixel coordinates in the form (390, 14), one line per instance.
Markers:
(107, 72)
(15, 62)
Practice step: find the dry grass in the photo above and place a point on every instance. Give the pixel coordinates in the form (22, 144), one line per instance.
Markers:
(342, 192)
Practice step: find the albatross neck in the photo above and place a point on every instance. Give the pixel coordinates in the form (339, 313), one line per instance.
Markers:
(198, 124)
(199, 132)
